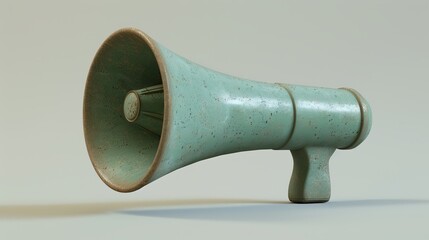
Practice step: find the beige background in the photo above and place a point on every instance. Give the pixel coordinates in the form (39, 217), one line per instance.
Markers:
(48, 189)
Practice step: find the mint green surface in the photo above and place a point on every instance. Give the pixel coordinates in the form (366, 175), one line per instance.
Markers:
(148, 112)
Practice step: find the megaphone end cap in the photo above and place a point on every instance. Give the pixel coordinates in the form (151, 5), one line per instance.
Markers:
(123, 159)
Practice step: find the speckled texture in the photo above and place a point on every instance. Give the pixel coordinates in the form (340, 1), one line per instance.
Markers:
(189, 113)
(214, 114)
(323, 117)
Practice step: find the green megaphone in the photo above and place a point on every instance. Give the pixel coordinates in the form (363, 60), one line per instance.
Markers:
(148, 112)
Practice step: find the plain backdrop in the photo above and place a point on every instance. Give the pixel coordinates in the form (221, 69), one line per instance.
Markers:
(49, 190)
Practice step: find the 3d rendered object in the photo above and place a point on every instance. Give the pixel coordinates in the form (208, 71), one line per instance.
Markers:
(148, 112)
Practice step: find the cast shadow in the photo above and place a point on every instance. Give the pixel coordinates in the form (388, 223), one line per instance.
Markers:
(268, 211)
(21, 211)
(244, 210)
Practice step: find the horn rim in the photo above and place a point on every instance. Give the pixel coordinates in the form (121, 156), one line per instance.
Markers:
(153, 46)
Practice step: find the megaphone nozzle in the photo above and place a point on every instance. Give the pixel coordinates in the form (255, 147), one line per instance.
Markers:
(145, 107)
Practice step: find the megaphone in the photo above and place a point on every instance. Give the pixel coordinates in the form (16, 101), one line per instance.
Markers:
(148, 112)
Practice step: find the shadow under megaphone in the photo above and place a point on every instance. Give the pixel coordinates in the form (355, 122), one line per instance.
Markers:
(264, 211)
(82, 209)
(200, 209)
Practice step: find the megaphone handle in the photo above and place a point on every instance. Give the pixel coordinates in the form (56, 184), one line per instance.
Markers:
(310, 182)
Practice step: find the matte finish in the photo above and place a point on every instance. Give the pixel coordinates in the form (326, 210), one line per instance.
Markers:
(148, 112)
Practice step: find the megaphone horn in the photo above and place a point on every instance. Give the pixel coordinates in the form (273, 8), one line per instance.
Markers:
(148, 112)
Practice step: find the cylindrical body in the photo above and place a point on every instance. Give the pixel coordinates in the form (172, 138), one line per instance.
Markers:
(326, 117)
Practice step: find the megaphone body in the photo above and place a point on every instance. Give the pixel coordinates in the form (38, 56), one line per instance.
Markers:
(148, 112)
